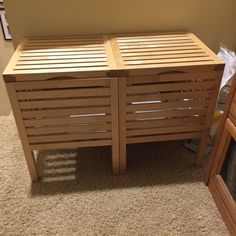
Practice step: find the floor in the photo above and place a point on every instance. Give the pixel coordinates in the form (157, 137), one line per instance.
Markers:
(161, 194)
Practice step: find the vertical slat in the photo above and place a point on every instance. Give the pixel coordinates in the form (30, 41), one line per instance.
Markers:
(22, 133)
(122, 123)
(205, 138)
(115, 126)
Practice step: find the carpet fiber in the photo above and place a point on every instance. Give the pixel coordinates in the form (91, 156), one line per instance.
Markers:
(161, 194)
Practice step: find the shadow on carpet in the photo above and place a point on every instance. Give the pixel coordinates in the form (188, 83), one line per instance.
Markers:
(89, 169)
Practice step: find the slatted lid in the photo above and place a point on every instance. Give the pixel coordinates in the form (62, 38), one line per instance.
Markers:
(40, 58)
(45, 57)
(161, 50)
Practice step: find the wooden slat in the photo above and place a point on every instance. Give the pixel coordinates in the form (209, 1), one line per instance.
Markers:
(61, 66)
(68, 121)
(64, 49)
(165, 122)
(153, 41)
(172, 65)
(60, 61)
(166, 113)
(139, 89)
(166, 61)
(64, 82)
(58, 71)
(164, 53)
(60, 57)
(157, 45)
(96, 143)
(69, 137)
(165, 130)
(66, 112)
(65, 103)
(166, 137)
(55, 46)
(173, 77)
(55, 54)
(172, 96)
(161, 57)
(159, 49)
(154, 36)
(29, 155)
(68, 129)
(63, 93)
(168, 105)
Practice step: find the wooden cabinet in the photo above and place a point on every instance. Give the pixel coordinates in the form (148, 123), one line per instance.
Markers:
(221, 172)
(82, 91)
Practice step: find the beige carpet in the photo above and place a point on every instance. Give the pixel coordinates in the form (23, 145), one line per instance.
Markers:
(162, 193)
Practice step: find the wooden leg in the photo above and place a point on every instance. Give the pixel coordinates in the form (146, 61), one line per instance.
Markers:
(122, 124)
(115, 126)
(122, 158)
(202, 149)
(30, 160)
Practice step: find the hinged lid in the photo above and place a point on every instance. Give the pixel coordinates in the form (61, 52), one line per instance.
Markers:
(164, 50)
(40, 58)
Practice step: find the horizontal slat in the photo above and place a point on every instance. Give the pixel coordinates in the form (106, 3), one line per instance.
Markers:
(31, 72)
(66, 112)
(159, 49)
(60, 57)
(63, 93)
(165, 53)
(55, 66)
(161, 57)
(157, 138)
(171, 113)
(163, 61)
(68, 121)
(172, 65)
(152, 37)
(168, 105)
(173, 77)
(65, 103)
(47, 54)
(62, 83)
(66, 45)
(141, 89)
(64, 49)
(163, 96)
(165, 122)
(68, 129)
(69, 137)
(153, 41)
(60, 61)
(181, 129)
(157, 45)
(61, 145)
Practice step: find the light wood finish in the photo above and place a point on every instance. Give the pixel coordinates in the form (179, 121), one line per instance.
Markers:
(115, 126)
(178, 108)
(221, 194)
(158, 51)
(77, 91)
(226, 114)
(122, 123)
(29, 156)
(57, 56)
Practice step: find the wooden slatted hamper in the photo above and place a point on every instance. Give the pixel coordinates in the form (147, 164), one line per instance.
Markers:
(69, 92)
(61, 95)
(168, 90)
